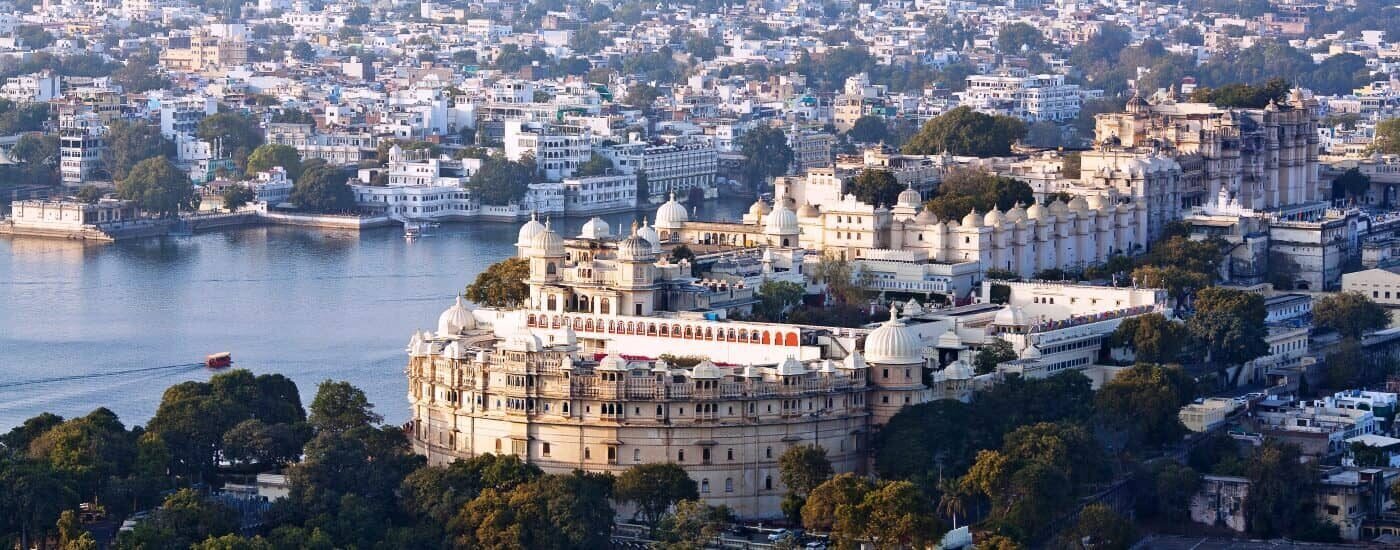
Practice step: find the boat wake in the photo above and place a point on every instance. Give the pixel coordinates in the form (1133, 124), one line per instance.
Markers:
(89, 376)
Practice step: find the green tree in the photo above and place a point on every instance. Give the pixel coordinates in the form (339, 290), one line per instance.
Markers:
(1012, 38)
(994, 353)
(1178, 282)
(302, 51)
(255, 442)
(500, 181)
(819, 512)
(1099, 528)
(869, 129)
(927, 442)
(236, 196)
(234, 132)
(158, 186)
(596, 165)
(1152, 337)
(877, 187)
(964, 190)
(1143, 402)
(437, 493)
(1034, 476)
(694, 525)
(40, 155)
(1243, 95)
(654, 488)
(1367, 456)
(1231, 325)
(340, 407)
(265, 157)
(776, 297)
(502, 284)
(895, 514)
(1280, 485)
(131, 142)
(802, 468)
(88, 450)
(766, 155)
(1350, 184)
(1165, 491)
(33, 498)
(322, 188)
(1351, 314)
(184, 519)
(89, 194)
(233, 542)
(1387, 140)
(963, 131)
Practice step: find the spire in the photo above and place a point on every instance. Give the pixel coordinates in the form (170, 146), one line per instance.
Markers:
(634, 227)
(894, 313)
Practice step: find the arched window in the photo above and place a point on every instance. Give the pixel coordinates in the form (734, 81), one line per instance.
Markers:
(665, 330)
(730, 336)
(766, 340)
(549, 269)
(705, 485)
(791, 339)
(728, 484)
(708, 334)
(688, 334)
(578, 324)
(743, 335)
(588, 326)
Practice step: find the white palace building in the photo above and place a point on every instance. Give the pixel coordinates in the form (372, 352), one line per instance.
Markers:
(621, 357)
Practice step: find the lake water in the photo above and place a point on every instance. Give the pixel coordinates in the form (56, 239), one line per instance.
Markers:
(310, 304)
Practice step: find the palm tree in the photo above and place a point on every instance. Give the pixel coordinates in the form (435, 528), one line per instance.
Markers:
(951, 501)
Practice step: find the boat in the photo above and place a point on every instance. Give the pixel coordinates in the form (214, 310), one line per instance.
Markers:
(412, 230)
(221, 360)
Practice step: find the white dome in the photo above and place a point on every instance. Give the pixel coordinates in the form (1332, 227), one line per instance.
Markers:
(958, 370)
(528, 231)
(894, 343)
(1016, 214)
(909, 198)
(706, 370)
(671, 215)
(456, 319)
(926, 217)
(596, 228)
(949, 339)
(1059, 208)
(759, 208)
(649, 233)
(993, 218)
(1078, 204)
(972, 219)
(791, 367)
(854, 361)
(613, 362)
(1096, 202)
(634, 248)
(808, 211)
(1036, 212)
(781, 222)
(1010, 316)
(912, 308)
(547, 243)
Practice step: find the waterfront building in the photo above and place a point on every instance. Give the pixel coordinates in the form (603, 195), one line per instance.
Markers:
(337, 147)
(64, 217)
(579, 376)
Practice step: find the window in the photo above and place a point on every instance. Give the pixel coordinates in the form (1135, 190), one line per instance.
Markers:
(768, 482)
(636, 455)
(705, 455)
(705, 485)
(544, 449)
(680, 455)
(587, 453)
(728, 484)
(730, 454)
(768, 452)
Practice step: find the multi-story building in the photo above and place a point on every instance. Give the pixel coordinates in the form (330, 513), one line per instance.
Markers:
(80, 146)
(810, 149)
(340, 148)
(181, 115)
(37, 87)
(204, 51)
(558, 149)
(1034, 98)
(575, 379)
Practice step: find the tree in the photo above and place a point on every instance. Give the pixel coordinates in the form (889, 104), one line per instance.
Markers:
(964, 190)
(302, 51)
(233, 542)
(1279, 489)
(927, 442)
(236, 196)
(1165, 491)
(553, 512)
(502, 284)
(869, 129)
(1034, 476)
(654, 488)
(641, 96)
(1231, 325)
(265, 157)
(89, 194)
(340, 407)
(801, 468)
(40, 154)
(1152, 337)
(1351, 314)
(255, 442)
(694, 525)
(1243, 95)
(775, 297)
(234, 132)
(1351, 184)
(1099, 528)
(500, 181)
(994, 353)
(1387, 140)
(1178, 282)
(596, 165)
(766, 155)
(33, 499)
(682, 252)
(1071, 165)
(878, 187)
(1143, 401)
(965, 132)
(19, 437)
(819, 512)
(88, 450)
(895, 514)
(184, 519)
(1016, 36)
(158, 186)
(1368, 456)
(322, 188)
(131, 142)
(438, 492)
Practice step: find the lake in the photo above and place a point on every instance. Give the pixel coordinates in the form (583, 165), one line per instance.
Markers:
(86, 326)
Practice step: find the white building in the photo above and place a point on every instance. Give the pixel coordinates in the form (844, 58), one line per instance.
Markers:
(1035, 98)
(37, 87)
(80, 146)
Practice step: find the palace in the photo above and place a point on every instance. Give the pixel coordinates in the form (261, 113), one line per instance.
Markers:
(620, 356)
(580, 378)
